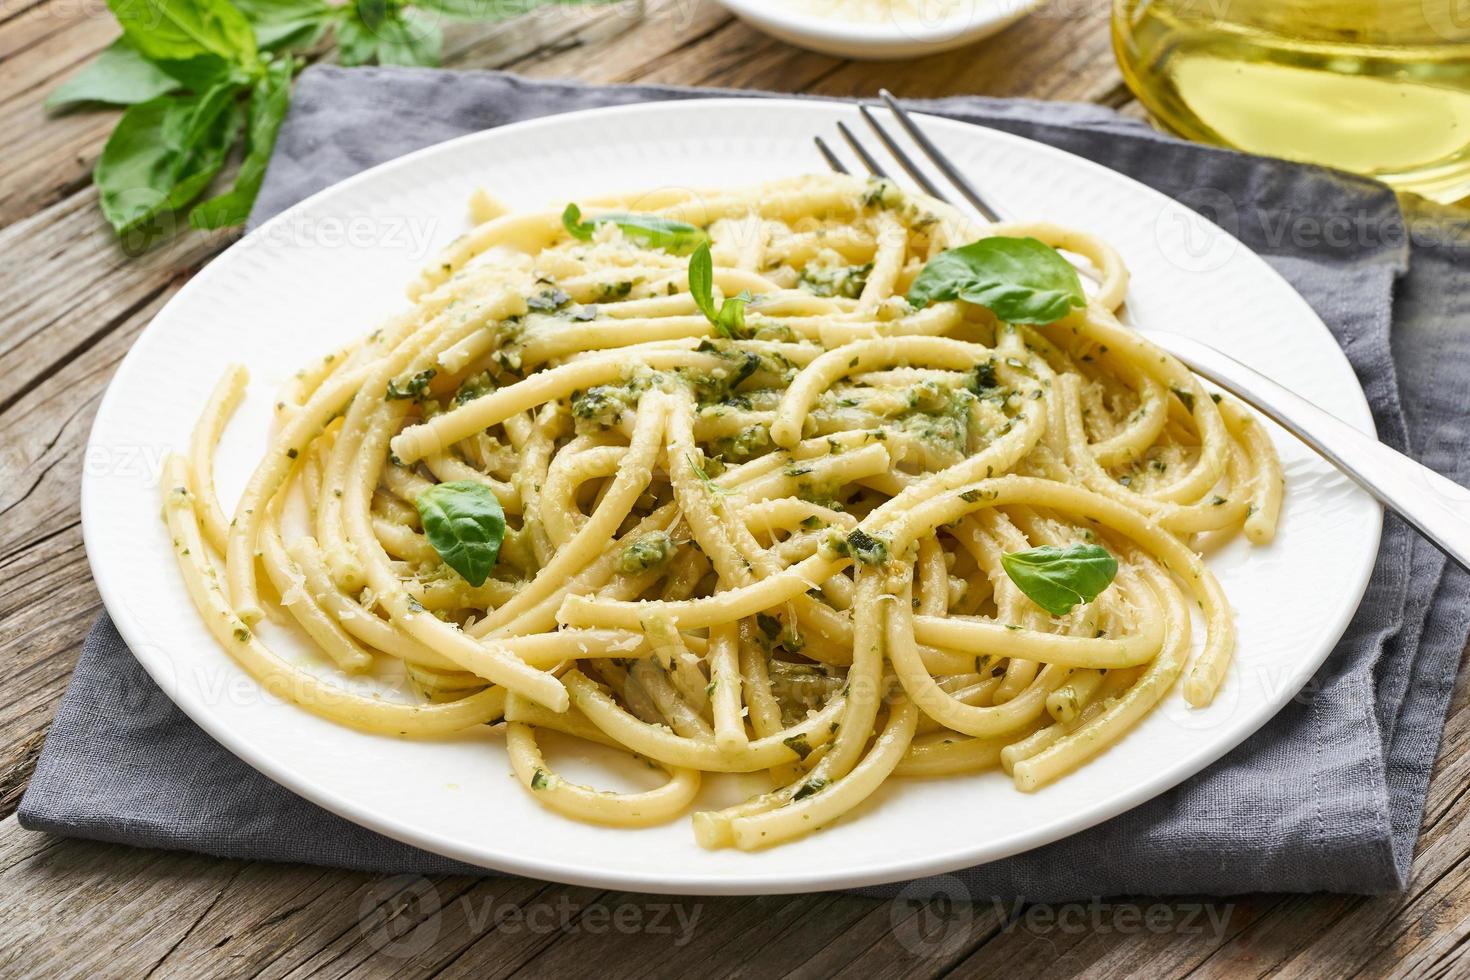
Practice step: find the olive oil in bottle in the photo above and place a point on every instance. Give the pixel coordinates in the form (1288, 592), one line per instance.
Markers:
(1379, 87)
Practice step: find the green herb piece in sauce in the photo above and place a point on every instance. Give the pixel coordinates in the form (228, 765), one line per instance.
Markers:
(809, 788)
(865, 548)
(548, 300)
(1056, 579)
(1184, 395)
(709, 483)
(648, 551)
(674, 237)
(798, 744)
(412, 388)
(845, 281)
(985, 379)
(465, 525)
(1020, 280)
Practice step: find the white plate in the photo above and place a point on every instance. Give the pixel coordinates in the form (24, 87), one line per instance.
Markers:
(941, 25)
(328, 270)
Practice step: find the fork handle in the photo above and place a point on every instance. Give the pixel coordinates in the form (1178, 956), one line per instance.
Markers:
(1437, 507)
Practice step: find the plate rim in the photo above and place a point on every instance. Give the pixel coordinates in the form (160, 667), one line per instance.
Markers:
(755, 881)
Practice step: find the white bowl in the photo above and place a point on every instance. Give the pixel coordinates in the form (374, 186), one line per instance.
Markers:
(949, 24)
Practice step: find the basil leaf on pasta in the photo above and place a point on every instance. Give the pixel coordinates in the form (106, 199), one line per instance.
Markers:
(729, 319)
(465, 525)
(571, 220)
(1056, 579)
(648, 230)
(1020, 280)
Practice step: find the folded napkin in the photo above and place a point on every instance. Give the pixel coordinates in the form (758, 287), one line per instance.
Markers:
(1327, 796)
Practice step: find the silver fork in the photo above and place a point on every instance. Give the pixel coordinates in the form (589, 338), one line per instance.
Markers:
(1435, 506)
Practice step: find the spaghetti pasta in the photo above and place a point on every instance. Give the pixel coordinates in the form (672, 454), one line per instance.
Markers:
(814, 529)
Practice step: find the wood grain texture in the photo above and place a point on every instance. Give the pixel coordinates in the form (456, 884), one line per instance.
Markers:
(71, 302)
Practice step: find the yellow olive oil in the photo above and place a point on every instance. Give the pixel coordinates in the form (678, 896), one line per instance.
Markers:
(1379, 87)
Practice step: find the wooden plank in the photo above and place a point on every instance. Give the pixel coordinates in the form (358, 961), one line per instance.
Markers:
(47, 597)
(47, 155)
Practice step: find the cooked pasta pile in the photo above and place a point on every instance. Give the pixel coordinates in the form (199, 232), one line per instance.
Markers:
(817, 530)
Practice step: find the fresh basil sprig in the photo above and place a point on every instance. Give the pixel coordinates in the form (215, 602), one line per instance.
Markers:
(1020, 280)
(164, 153)
(193, 40)
(1056, 579)
(729, 319)
(269, 97)
(197, 75)
(465, 525)
(120, 75)
(283, 24)
(674, 237)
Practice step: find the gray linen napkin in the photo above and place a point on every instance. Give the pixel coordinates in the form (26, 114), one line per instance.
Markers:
(1328, 796)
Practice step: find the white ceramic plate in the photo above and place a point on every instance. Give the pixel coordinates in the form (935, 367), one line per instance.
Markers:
(329, 269)
(938, 25)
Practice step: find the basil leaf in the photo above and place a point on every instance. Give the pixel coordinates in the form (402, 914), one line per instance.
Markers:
(571, 220)
(729, 319)
(377, 30)
(1020, 280)
(179, 30)
(702, 281)
(117, 76)
(291, 35)
(286, 23)
(674, 237)
(1056, 579)
(356, 44)
(465, 525)
(492, 10)
(163, 153)
(409, 39)
(275, 11)
(373, 13)
(267, 108)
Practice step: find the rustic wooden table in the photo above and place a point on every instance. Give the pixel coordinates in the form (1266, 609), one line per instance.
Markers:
(71, 302)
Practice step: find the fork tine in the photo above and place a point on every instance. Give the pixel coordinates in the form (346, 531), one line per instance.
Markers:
(898, 154)
(828, 155)
(873, 166)
(937, 157)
